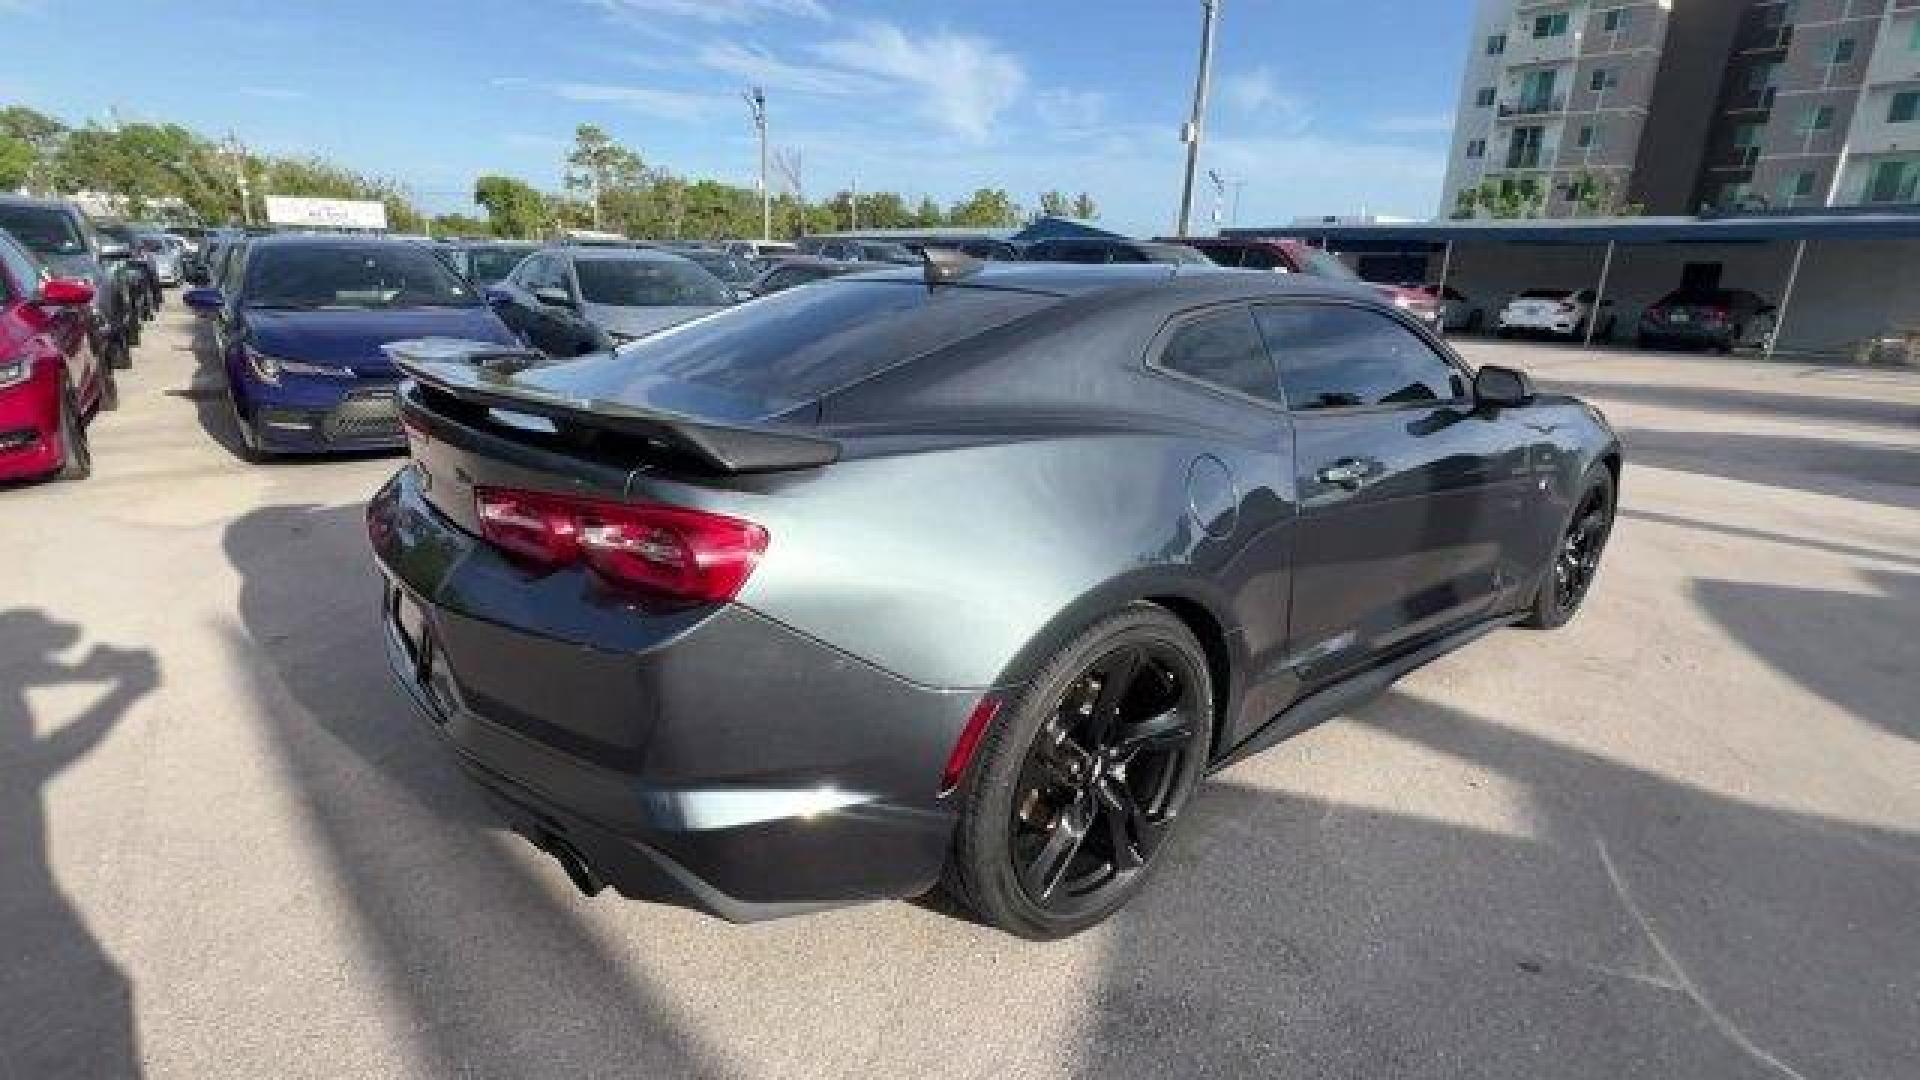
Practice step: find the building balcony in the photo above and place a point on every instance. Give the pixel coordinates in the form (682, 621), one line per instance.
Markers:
(1741, 159)
(1760, 39)
(1534, 106)
(1747, 101)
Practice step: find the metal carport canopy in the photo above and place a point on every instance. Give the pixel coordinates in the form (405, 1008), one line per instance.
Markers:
(1742, 229)
(1750, 228)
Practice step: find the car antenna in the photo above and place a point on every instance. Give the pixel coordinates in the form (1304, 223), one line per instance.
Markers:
(945, 266)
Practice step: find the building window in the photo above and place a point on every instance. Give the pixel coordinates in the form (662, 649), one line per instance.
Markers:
(1892, 182)
(1840, 52)
(1818, 118)
(1496, 44)
(1476, 148)
(1553, 25)
(1797, 186)
(1484, 99)
(1523, 149)
(1585, 139)
(1602, 79)
(1903, 106)
(1615, 21)
(1745, 135)
(1913, 39)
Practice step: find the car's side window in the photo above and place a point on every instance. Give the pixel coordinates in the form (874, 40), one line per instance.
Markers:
(1259, 258)
(1223, 348)
(21, 268)
(1334, 356)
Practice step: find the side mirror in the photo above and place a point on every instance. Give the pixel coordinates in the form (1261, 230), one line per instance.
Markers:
(498, 296)
(553, 297)
(115, 250)
(204, 299)
(64, 292)
(1502, 386)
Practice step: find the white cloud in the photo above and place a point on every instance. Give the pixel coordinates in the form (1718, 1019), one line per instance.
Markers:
(1070, 109)
(272, 93)
(714, 11)
(1258, 93)
(758, 66)
(1435, 123)
(964, 82)
(666, 104)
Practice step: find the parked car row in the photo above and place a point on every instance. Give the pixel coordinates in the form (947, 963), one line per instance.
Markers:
(1715, 318)
(73, 296)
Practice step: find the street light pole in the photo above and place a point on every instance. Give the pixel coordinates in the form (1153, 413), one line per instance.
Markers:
(1190, 134)
(757, 101)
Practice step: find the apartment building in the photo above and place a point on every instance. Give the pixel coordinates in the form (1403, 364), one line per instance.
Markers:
(1674, 106)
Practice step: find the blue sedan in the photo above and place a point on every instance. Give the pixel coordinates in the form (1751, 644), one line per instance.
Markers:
(301, 336)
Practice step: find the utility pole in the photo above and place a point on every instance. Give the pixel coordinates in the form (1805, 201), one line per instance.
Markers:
(853, 206)
(1219, 195)
(757, 103)
(239, 152)
(1233, 214)
(1190, 134)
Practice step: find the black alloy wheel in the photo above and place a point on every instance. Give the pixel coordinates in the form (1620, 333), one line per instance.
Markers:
(76, 457)
(1576, 560)
(1079, 788)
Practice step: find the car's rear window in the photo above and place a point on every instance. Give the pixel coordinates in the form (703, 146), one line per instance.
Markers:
(798, 346)
(648, 283)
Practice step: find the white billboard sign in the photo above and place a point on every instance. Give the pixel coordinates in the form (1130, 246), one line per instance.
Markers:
(325, 213)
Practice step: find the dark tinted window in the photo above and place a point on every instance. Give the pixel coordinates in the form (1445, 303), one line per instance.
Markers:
(1168, 253)
(1336, 356)
(47, 230)
(1259, 258)
(488, 265)
(789, 276)
(1068, 251)
(352, 276)
(799, 345)
(21, 268)
(1225, 349)
(648, 283)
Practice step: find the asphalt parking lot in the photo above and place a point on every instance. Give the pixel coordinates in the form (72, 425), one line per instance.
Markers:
(1680, 838)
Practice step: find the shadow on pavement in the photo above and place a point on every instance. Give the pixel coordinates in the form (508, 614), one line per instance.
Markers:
(65, 1008)
(1831, 547)
(1628, 926)
(1811, 408)
(496, 972)
(1860, 651)
(1872, 472)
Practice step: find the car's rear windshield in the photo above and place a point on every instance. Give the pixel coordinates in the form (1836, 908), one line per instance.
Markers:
(43, 229)
(1322, 264)
(797, 346)
(648, 283)
(487, 265)
(724, 265)
(328, 276)
(1546, 294)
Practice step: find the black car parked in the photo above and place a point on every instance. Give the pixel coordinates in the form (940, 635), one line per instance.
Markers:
(1719, 319)
(965, 574)
(63, 238)
(1096, 250)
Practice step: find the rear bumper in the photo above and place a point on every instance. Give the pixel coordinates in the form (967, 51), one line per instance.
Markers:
(714, 759)
(1687, 333)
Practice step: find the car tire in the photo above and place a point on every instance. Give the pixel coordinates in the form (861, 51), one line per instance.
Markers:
(132, 334)
(1039, 803)
(119, 353)
(1503, 332)
(1575, 560)
(76, 457)
(1643, 341)
(109, 390)
(246, 437)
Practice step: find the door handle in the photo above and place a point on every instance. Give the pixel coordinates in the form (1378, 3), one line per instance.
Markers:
(1348, 473)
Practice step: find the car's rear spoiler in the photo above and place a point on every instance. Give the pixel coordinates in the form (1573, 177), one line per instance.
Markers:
(481, 374)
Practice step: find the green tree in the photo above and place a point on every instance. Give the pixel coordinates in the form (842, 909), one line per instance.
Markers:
(987, 208)
(42, 135)
(1084, 207)
(599, 168)
(458, 225)
(514, 208)
(928, 215)
(1055, 204)
(17, 160)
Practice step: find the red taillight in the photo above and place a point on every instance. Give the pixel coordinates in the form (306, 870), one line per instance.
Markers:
(964, 747)
(664, 551)
(1714, 314)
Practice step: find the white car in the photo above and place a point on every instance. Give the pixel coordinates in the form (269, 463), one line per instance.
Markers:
(1560, 312)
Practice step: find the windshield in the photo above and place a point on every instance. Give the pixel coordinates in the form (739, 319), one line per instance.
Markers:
(648, 283)
(724, 265)
(1321, 264)
(801, 344)
(352, 276)
(491, 265)
(45, 230)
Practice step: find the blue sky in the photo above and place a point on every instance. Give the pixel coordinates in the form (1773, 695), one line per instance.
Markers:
(1322, 106)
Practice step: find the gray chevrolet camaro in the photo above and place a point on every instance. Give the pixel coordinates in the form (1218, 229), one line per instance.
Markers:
(962, 574)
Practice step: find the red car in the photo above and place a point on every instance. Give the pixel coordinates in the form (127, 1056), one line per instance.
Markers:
(52, 380)
(1299, 257)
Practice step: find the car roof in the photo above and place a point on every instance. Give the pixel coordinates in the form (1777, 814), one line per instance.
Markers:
(35, 200)
(1182, 281)
(635, 254)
